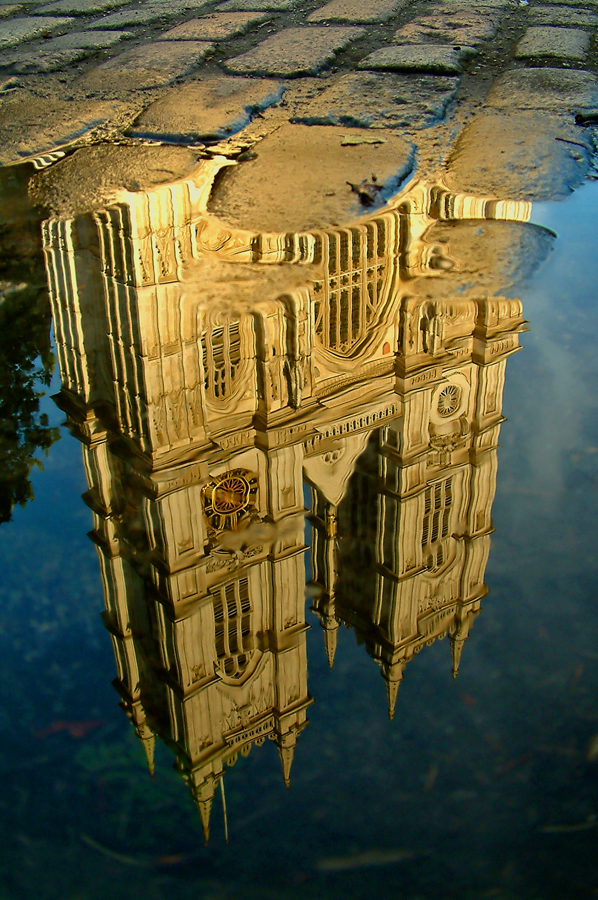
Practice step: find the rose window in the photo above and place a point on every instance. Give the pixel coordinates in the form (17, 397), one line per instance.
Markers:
(449, 400)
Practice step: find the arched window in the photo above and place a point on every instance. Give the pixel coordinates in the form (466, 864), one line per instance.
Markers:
(221, 348)
(438, 500)
(349, 297)
(232, 617)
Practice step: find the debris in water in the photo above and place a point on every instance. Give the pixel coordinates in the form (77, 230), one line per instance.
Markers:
(368, 191)
(74, 729)
(592, 751)
(356, 140)
(570, 829)
(363, 860)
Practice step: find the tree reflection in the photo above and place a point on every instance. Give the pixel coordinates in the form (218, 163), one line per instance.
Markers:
(26, 358)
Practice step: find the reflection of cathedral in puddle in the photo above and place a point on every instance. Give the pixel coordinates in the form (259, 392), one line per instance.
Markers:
(379, 385)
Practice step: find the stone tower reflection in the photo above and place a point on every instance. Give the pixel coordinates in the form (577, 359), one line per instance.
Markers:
(209, 373)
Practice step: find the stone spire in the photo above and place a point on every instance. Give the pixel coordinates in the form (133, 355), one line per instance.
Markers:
(286, 744)
(456, 651)
(330, 626)
(148, 741)
(393, 675)
(203, 796)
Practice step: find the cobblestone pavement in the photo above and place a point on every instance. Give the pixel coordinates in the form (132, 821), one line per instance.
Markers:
(194, 73)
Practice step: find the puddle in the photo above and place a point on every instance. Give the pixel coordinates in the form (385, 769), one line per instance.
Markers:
(342, 530)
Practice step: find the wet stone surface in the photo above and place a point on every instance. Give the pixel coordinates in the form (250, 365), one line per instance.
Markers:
(295, 51)
(560, 43)
(274, 262)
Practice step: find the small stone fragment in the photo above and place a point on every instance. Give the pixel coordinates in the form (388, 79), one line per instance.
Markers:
(560, 43)
(356, 11)
(545, 88)
(210, 109)
(216, 27)
(436, 58)
(16, 31)
(295, 51)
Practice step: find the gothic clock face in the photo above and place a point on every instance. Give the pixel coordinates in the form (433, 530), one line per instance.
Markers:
(228, 498)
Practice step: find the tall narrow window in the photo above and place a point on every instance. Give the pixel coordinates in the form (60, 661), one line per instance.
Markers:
(438, 500)
(348, 298)
(221, 346)
(232, 617)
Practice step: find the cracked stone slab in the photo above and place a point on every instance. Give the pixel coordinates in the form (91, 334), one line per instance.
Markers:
(150, 65)
(87, 40)
(281, 189)
(79, 7)
(216, 27)
(356, 11)
(16, 31)
(560, 43)
(439, 59)
(208, 109)
(464, 27)
(30, 125)
(295, 51)
(562, 15)
(524, 155)
(256, 5)
(545, 88)
(369, 100)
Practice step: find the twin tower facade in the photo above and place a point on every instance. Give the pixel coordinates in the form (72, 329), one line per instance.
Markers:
(228, 389)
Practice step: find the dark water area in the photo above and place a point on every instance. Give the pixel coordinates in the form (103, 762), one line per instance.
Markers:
(483, 785)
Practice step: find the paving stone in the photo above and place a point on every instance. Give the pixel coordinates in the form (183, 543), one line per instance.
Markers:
(463, 27)
(471, 4)
(92, 40)
(215, 27)
(469, 35)
(252, 5)
(356, 11)
(27, 62)
(15, 31)
(79, 7)
(150, 65)
(31, 125)
(298, 178)
(545, 88)
(365, 100)
(562, 15)
(581, 3)
(435, 58)
(210, 109)
(139, 15)
(148, 13)
(523, 155)
(560, 43)
(295, 51)
(89, 178)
